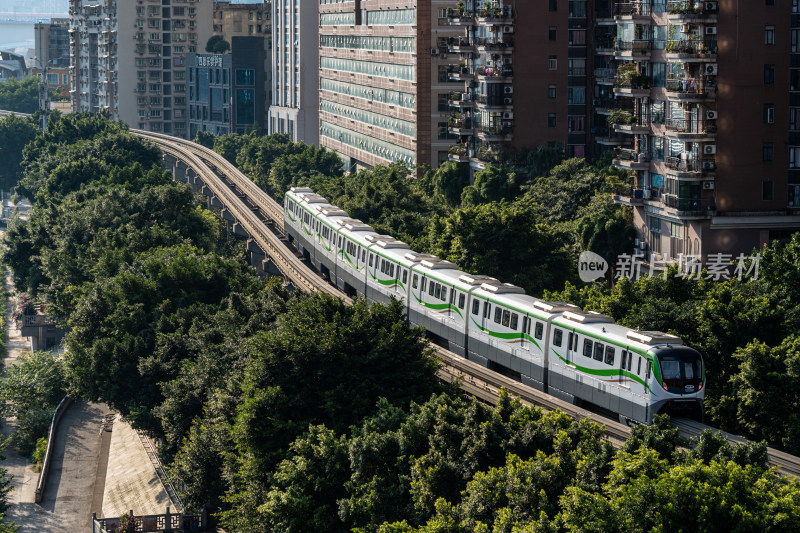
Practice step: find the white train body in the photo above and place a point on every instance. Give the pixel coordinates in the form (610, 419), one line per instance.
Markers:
(552, 346)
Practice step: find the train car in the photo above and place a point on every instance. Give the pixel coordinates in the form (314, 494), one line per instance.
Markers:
(387, 269)
(622, 370)
(438, 300)
(351, 255)
(553, 346)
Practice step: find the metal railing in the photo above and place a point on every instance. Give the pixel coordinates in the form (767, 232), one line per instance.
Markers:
(622, 9)
(690, 46)
(683, 165)
(637, 45)
(688, 204)
(48, 454)
(625, 154)
(684, 125)
(686, 85)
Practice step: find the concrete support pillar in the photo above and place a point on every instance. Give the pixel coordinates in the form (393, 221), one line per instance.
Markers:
(269, 267)
(239, 230)
(257, 256)
(206, 190)
(226, 215)
(179, 171)
(213, 201)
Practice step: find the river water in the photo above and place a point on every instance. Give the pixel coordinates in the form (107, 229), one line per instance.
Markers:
(16, 36)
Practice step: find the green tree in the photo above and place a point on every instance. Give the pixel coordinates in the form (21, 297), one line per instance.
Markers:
(15, 133)
(31, 390)
(205, 138)
(20, 96)
(492, 184)
(217, 45)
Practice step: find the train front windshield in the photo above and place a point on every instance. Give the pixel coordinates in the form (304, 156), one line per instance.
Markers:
(681, 371)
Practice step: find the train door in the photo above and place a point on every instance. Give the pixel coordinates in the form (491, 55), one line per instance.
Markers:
(525, 333)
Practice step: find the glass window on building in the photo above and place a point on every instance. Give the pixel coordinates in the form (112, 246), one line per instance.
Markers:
(657, 113)
(659, 74)
(246, 77)
(245, 106)
(794, 195)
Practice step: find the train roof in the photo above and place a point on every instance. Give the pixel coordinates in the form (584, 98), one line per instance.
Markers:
(603, 327)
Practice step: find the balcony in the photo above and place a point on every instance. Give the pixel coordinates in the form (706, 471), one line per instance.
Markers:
(460, 46)
(461, 100)
(689, 89)
(691, 50)
(626, 122)
(632, 10)
(503, 74)
(457, 17)
(495, 103)
(690, 207)
(691, 129)
(495, 47)
(605, 44)
(630, 197)
(459, 153)
(458, 125)
(496, 15)
(496, 133)
(460, 73)
(691, 11)
(630, 159)
(635, 48)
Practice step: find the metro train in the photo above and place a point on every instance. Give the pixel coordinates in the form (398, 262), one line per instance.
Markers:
(578, 356)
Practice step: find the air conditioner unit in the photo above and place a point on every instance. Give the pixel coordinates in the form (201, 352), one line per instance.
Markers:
(712, 6)
(508, 101)
(711, 114)
(708, 185)
(710, 149)
(646, 193)
(711, 30)
(711, 69)
(465, 97)
(709, 165)
(508, 29)
(508, 90)
(686, 28)
(508, 116)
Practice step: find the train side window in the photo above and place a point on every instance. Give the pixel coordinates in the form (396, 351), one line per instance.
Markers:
(630, 360)
(599, 347)
(476, 305)
(432, 288)
(444, 293)
(506, 318)
(424, 282)
(558, 337)
(415, 281)
(624, 359)
(452, 296)
(498, 315)
(391, 270)
(610, 355)
(575, 343)
(371, 257)
(461, 300)
(405, 276)
(363, 255)
(647, 375)
(514, 321)
(639, 368)
(587, 347)
(487, 310)
(437, 292)
(538, 332)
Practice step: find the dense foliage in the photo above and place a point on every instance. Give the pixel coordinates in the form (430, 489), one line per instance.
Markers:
(20, 96)
(296, 413)
(15, 133)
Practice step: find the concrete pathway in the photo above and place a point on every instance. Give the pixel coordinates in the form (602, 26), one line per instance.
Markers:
(131, 481)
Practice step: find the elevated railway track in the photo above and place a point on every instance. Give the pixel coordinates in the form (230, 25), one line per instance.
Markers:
(262, 218)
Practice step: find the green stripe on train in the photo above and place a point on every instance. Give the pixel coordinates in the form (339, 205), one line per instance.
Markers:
(389, 283)
(439, 307)
(602, 372)
(506, 336)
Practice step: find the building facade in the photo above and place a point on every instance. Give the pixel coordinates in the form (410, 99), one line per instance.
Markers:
(701, 109)
(227, 92)
(295, 58)
(242, 20)
(52, 43)
(523, 66)
(130, 58)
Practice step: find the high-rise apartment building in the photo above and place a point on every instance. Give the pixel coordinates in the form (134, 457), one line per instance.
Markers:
(385, 81)
(295, 59)
(242, 20)
(523, 65)
(52, 43)
(129, 57)
(698, 98)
